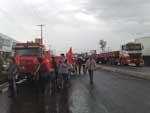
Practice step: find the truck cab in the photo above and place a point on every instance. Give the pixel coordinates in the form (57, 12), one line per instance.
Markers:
(132, 52)
(29, 53)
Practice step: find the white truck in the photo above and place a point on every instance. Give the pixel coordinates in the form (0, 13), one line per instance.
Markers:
(145, 41)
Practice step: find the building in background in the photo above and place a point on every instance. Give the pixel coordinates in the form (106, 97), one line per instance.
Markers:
(6, 44)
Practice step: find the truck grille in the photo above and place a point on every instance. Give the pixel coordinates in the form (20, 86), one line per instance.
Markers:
(135, 56)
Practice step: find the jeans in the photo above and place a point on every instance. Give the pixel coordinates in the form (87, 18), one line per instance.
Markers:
(84, 69)
(91, 76)
(79, 68)
(12, 87)
(64, 79)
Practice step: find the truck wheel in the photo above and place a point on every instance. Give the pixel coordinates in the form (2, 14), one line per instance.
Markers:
(121, 64)
(97, 61)
(137, 65)
(126, 64)
(102, 62)
(116, 63)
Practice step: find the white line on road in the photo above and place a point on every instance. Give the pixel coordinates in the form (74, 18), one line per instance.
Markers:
(21, 81)
(4, 86)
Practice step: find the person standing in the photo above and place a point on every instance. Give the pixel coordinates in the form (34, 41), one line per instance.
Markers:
(91, 66)
(79, 62)
(84, 65)
(74, 65)
(13, 70)
(54, 75)
(63, 70)
(43, 74)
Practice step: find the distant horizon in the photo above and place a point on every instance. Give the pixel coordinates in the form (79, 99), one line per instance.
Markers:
(59, 52)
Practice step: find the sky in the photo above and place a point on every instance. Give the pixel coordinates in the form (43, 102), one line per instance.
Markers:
(79, 24)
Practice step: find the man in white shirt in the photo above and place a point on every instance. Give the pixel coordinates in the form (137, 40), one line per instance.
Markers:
(91, 66)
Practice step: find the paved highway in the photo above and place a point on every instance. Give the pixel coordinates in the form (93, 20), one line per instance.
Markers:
(111, 93)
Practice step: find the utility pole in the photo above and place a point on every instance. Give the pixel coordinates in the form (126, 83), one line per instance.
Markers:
(41, 25)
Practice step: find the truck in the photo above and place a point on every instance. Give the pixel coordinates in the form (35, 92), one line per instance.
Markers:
(145, 41)
(29, 53)
(130, 53)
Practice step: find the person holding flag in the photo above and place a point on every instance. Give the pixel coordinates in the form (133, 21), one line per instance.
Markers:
(44, 68)
(47, 60)
(69, 59)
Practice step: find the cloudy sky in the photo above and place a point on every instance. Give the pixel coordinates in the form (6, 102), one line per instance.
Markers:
(77, 23)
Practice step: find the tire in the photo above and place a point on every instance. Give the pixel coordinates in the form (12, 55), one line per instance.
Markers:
(97, 61)
(137, 65)
(121, 64)
(126, 65)
(115, 63)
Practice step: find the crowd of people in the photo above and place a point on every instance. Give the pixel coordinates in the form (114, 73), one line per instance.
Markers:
(58, 77)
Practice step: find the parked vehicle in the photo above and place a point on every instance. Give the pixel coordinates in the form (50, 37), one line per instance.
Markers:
(145, 41)
(29, 53)
(130, 53)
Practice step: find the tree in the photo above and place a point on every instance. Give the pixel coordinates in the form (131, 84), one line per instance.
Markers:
(102, 45)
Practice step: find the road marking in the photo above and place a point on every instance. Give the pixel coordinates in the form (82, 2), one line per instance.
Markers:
(21, 81)
(137, 74)
(4, 90)
(4, 87)
(4, 84)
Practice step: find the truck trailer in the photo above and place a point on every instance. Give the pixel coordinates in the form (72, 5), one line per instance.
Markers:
(130, 53)
(145, 41)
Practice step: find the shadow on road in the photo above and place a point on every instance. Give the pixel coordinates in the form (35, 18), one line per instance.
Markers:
(59, 103)
(29, 100)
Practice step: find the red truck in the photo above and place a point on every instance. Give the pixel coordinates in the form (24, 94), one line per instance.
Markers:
(130, 53)
(29, 53)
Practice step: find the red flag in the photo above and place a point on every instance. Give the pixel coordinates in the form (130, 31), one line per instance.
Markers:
(57, 59)
(47, 60)
(17, 58)
(69, 56)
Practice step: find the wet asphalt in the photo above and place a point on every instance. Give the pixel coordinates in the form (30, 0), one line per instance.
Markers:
(110, 93)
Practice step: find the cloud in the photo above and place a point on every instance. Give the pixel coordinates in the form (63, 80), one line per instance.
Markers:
(86, 17)
(76, 22)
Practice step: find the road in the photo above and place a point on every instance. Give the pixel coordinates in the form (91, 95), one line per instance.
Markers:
(143, 69)
(111, 93)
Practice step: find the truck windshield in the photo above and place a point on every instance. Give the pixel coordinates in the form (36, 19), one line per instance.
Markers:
(134, 47)
(29, 51)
